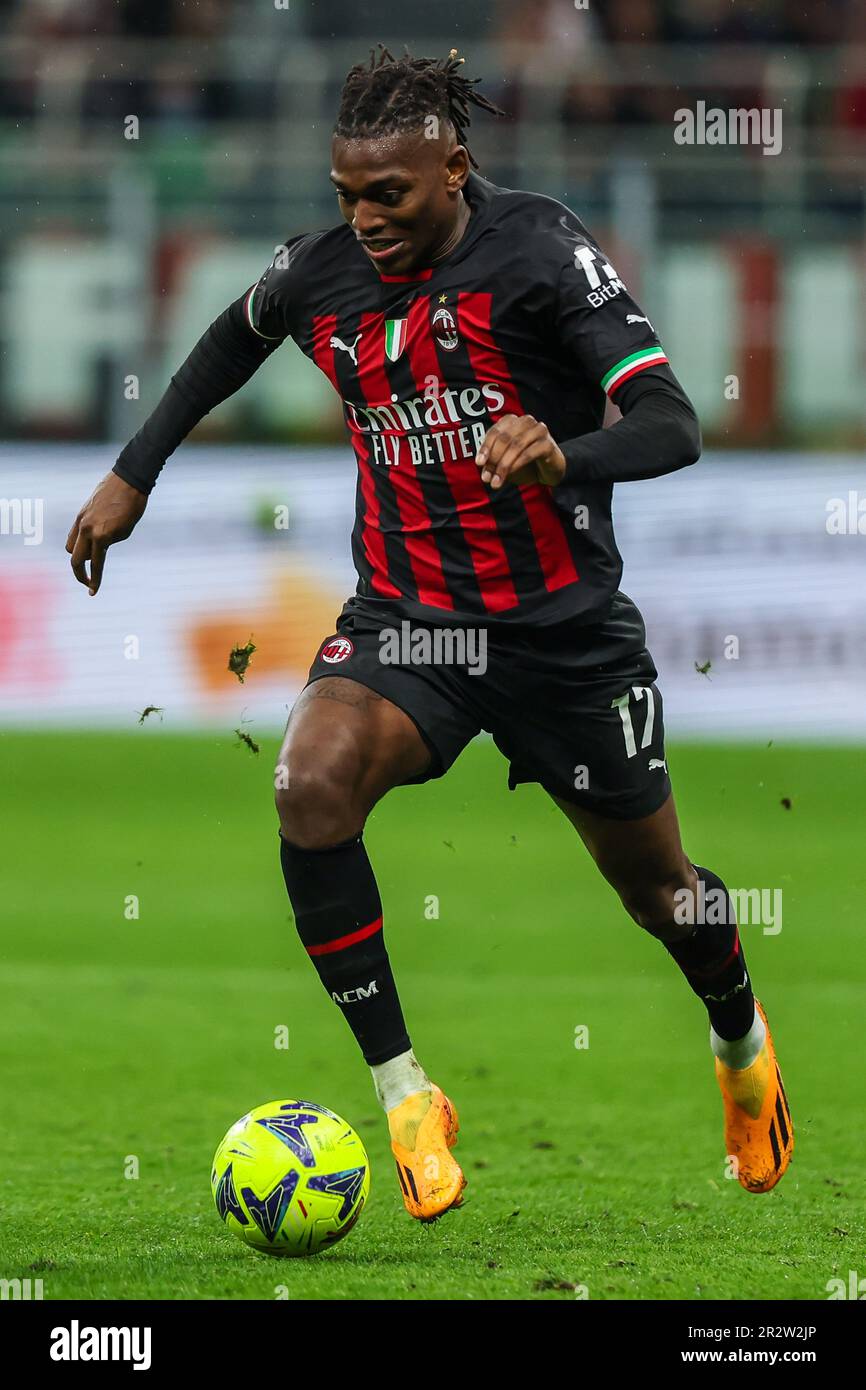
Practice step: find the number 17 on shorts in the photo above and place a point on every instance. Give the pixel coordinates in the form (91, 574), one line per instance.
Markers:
(639, 695)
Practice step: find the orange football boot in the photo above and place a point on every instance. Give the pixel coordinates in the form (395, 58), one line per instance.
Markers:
(759, 1132)
(430, 1179)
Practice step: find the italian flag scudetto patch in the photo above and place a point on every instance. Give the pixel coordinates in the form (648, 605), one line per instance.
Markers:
(395, 337)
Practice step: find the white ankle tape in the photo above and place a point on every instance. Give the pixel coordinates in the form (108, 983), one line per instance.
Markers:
(399, 1078)
(741, 1052)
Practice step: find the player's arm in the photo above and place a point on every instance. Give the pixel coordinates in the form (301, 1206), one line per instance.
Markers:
(222, 361)
(658, 434)
(613, 345)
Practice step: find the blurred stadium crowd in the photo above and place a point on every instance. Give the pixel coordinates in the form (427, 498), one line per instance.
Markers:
(158, 227)
(766, 21)
(180, 87)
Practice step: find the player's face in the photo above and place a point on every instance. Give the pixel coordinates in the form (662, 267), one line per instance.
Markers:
(400, 195)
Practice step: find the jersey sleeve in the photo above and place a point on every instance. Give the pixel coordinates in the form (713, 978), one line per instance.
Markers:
(271, 306)
(596, 320)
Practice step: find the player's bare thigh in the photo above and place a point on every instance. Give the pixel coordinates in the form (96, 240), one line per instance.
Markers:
(643, 860)
(344, 747)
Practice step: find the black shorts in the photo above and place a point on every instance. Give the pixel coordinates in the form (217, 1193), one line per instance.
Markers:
(573, 706)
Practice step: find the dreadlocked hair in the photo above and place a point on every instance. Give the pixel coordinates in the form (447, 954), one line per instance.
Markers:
(395, 94)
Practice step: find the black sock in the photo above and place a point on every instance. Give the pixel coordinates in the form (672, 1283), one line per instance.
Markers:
(338, 914)
(712, 960)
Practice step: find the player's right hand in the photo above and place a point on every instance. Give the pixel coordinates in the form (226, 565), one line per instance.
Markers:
(108, 515)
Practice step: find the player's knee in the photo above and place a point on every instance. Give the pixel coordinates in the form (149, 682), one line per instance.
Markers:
(316, 799)
(656, 902)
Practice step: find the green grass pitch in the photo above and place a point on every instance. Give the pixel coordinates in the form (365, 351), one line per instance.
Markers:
(600, 1167)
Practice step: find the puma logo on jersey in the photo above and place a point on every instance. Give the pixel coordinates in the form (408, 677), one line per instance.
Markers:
(344, 347)
(658, 762)
(637, 318)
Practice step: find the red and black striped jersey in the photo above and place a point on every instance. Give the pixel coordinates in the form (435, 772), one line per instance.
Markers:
(525, 316)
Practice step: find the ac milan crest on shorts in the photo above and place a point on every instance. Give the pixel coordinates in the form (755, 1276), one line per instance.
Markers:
(336, 649)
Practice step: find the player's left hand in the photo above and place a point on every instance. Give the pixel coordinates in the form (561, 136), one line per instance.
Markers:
(520, 449)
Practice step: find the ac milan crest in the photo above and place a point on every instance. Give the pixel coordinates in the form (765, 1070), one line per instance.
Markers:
(445, 329)
(337, 649)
